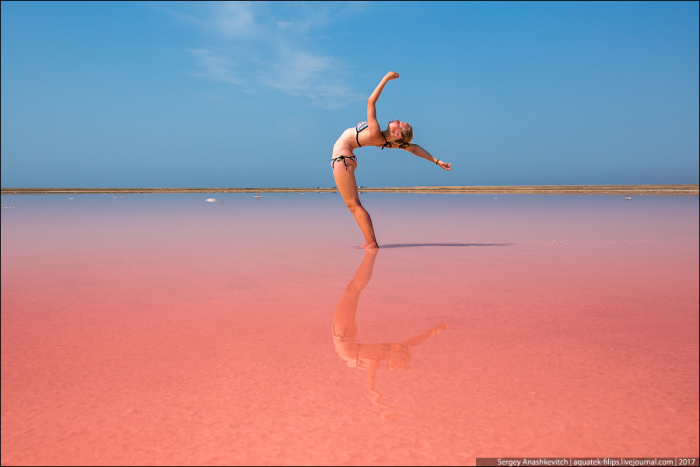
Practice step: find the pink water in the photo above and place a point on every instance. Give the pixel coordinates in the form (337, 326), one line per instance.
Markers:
(167, 330)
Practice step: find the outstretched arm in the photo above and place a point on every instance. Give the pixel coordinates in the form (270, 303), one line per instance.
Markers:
(420, 152)
(413, 341)
(371, 102)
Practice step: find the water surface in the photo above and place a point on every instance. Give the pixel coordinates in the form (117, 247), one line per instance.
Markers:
(164, 329)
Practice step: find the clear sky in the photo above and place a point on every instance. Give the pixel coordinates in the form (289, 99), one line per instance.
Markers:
(250, 95)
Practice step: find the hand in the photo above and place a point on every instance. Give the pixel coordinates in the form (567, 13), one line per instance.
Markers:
(437, 330)
(391, 75)
(444, 165)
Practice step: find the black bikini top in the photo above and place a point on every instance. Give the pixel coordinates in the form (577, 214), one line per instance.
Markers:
(361, 126)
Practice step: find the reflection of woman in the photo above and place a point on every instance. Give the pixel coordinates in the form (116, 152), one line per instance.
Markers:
(369, 356)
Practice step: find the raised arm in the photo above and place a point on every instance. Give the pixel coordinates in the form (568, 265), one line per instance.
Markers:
(420, 152)
(372, 101)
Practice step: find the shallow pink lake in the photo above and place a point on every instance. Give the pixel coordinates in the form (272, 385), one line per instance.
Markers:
(167, 330)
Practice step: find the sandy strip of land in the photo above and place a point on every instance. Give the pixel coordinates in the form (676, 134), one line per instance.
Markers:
(531, 189)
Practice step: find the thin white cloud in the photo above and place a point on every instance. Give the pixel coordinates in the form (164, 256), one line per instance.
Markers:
(298, 71)
(212, 97)
(215, 66)
(271, 47)
(285, 24)
(311, 75)
(236, 19)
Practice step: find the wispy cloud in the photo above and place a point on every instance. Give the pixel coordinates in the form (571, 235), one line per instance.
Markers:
(268, 46)
(236, 19)
(215, 66)
(285, 24)
(212, 97)
(310, 75)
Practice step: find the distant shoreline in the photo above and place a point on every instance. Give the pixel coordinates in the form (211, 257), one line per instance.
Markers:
(691, 190)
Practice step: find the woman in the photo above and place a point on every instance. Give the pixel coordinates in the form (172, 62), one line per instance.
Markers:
(344, 162)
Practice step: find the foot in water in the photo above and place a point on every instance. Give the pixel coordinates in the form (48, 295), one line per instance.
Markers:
(370, 246)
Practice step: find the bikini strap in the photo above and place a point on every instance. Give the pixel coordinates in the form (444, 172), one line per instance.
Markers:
(385, 141)
(342, 158)
(360, 126)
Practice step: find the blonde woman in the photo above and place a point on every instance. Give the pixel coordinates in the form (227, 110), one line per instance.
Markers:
(344, 162)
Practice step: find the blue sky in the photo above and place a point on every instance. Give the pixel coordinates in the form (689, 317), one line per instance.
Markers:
(250, 95)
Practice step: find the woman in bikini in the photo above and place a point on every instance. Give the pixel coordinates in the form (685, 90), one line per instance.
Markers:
(397, 134)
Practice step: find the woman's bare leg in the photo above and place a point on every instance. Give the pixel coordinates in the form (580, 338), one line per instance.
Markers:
(345, 181)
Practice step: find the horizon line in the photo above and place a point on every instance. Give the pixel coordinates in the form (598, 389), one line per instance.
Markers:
(647, 189)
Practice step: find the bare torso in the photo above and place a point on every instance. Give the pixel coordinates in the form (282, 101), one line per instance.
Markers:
(346, 144)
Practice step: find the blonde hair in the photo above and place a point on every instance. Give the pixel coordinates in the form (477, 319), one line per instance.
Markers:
(406, 137)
